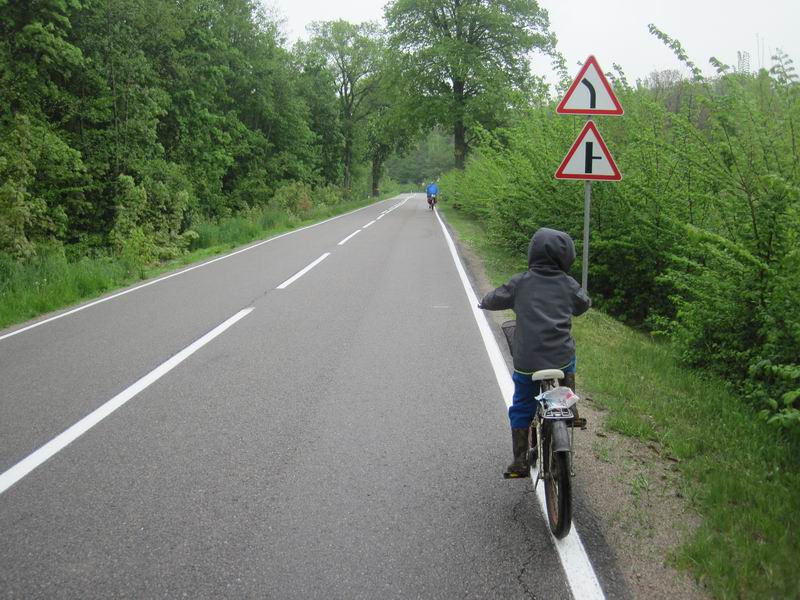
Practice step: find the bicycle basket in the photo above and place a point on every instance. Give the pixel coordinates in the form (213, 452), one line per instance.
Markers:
(508, 330)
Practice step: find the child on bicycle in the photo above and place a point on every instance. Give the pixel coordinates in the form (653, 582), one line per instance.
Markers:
(544, 298)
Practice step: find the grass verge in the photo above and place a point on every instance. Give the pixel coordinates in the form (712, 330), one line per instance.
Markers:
(741, 476)
(52, 282)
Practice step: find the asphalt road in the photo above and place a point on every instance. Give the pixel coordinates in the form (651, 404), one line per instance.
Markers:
(343, 439)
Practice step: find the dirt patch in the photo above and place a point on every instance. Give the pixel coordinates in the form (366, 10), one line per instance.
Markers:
(634, 492)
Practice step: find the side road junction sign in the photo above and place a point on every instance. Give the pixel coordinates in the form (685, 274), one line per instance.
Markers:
(589, 158)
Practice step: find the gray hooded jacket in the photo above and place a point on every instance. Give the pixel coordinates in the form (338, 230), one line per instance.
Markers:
(545, 298)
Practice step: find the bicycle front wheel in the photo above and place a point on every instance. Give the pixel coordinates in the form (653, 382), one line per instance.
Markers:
(557, 489)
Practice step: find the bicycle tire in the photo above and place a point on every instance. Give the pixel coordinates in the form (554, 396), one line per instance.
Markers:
(557, 489)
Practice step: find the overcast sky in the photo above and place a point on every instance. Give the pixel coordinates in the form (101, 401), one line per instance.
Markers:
(616, 30)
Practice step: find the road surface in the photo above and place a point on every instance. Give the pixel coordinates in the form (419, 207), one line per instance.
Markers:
(313, 417)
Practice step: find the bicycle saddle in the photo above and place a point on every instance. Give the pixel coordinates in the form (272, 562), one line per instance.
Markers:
(548, 374)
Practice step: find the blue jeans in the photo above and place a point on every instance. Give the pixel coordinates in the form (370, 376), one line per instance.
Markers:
(523, 408)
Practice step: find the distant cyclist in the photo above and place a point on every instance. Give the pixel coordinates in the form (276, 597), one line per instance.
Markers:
(433, 191)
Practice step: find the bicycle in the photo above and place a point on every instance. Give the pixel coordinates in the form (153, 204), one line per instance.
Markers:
(553, 428)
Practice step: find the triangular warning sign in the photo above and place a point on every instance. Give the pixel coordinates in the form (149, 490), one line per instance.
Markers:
(590, 93)
(589, 158)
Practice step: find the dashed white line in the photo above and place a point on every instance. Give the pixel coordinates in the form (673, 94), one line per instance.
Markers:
(28, 464)
(368, 224)
(344, 241)
(577, 567)
(302, 272)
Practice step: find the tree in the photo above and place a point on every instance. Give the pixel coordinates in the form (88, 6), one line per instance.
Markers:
(353, 52)
(466, 60)
(318, 86)
(391, 124)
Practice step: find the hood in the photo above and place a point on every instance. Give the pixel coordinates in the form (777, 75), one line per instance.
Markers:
(551, 249)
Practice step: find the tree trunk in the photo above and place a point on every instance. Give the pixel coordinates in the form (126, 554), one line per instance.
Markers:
(459, 130)
(377, 167)
(348, 162)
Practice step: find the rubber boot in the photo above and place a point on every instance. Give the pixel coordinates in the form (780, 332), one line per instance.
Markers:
(520, 467)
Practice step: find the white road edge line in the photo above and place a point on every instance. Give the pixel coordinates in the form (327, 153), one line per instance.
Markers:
(344, 241)
(171, 275)
(575, 562)
(299, 274)
(368, 224)
(33, 460)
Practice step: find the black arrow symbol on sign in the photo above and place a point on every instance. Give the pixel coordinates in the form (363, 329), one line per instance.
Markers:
(592, 93)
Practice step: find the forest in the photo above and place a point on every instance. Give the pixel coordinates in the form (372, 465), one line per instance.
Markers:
(133, 132)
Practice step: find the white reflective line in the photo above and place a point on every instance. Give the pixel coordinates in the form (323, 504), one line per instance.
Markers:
(379, 217)
(171, 275)
(28, 464)
(299, 274)
(344, 241)
(577, 567)
(368, 224)
(582, 578)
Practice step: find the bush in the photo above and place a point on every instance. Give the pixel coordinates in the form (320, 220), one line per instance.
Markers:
(327, 195)
(294, 198)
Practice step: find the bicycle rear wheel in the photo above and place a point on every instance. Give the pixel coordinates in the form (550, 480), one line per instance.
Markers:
(557, 488)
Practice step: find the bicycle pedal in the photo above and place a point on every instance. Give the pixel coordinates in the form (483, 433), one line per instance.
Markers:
(580, 422)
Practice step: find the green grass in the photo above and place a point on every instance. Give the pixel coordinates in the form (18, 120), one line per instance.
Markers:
(51, 282)
(741, 476)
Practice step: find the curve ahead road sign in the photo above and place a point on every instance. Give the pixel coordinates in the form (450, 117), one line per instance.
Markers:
(590, 93)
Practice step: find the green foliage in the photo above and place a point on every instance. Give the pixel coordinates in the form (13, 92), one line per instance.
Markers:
(424, 161)
(465, 61)
(42, 186)
(295, 198)
(48, 281)
(354, 53)
(129, 128)
(777, 388)
(328, 195)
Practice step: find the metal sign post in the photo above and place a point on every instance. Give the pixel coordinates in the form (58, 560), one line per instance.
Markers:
(587, 207)
(588, 158)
